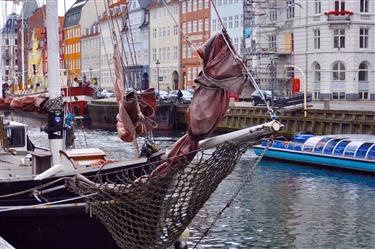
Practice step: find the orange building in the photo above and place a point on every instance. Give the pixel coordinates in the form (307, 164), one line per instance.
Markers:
(195, 23)
(72, 40)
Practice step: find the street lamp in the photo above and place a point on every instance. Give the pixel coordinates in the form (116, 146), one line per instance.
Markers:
(157, 74)
(304, 87)
(90, 69)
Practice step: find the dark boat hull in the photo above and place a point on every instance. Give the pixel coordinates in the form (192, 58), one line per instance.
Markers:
(103, 115)
(60, 228)
(66, 225)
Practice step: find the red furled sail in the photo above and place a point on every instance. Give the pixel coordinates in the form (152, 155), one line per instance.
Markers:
(136, 110)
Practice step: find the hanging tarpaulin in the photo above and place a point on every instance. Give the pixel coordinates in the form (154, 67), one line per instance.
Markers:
(296, 85)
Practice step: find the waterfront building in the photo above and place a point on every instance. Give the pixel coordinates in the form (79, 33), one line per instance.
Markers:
(164, 45)
(231, 13)
(9, 50)
(195, 23)
(111, 22)
(36, 47)
(90, 54)
(331, 41)
(135, 36)
(79, 17)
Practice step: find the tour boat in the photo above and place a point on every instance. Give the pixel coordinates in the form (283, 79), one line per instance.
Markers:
(351, 151)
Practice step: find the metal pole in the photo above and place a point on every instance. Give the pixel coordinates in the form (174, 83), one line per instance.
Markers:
(24, 84)
(157, 72)
(304, 87)
(54, 88)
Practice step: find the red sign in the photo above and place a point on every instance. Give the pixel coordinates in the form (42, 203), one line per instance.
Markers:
(296, 85)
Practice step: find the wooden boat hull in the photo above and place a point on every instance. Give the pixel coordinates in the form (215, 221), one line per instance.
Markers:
(318, 159)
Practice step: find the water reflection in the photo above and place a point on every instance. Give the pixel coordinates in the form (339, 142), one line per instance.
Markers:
(283, 206)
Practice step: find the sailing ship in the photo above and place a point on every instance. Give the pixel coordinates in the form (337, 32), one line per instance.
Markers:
(80, 199)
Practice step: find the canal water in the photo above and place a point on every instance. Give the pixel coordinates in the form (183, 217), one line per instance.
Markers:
(283, 205)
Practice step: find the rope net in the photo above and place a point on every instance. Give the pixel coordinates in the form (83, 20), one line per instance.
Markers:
(154, 210)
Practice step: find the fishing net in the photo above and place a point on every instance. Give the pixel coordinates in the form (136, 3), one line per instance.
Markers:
(152, 212)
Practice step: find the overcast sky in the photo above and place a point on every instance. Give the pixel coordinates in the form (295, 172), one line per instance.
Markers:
(7, 8)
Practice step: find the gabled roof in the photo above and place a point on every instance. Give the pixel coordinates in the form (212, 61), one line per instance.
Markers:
(73, 15)
(11, 24)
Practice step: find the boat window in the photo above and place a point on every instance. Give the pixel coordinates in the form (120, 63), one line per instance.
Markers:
(371, 153)
(340, 147)
(16, 137)
(362, 150)
(351, 148)
(330, 146)
(310, 143)
(320, 145)
(301, 138)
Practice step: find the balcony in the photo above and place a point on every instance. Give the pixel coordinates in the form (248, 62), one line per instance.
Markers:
(339, 17)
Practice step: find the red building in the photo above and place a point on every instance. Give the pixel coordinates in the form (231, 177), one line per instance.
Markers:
(195, 23)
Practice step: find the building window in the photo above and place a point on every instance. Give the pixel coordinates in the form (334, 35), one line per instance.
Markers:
(225, 22)
(206, 4)
(272, 42)
(338, 95)
(318, 7)
(190, 27)
(363, 72)
(317, 38)
(339, 5)
(175, 30)
(363, 38)
(339, 38)
(214, 25)
(200, 4)
(200, 25)
(154, 33)
(338, 71)
(363, 95)
(290, 9)
(206, 24)
(189, 5)
(183, 4)
(363, 6)
(317, 72)
(236, 21)
(317, 95)
(273, 12)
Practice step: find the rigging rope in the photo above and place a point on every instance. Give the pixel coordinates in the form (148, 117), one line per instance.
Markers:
(244, 180)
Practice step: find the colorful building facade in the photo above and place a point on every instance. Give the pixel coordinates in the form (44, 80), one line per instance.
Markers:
(195, 22)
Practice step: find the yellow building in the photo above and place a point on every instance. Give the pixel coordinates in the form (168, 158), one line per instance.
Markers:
(36, 79)
(72, 40)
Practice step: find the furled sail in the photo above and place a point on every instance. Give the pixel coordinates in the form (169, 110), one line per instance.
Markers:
(136, 110)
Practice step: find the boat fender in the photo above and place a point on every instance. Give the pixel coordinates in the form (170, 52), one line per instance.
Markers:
(52, 171)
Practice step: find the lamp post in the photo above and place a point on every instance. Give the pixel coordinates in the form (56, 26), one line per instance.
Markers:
(157, 74)
(90, 69)
(304, 87)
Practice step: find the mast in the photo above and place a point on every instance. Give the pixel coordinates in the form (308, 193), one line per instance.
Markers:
(54, 88)
(24, 83)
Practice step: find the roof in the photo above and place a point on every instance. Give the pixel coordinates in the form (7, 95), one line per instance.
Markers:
(144, 3)
(11, 24)
(73, 15)
(28, 8)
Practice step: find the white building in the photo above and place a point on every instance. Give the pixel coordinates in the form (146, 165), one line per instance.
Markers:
(164, 45)
(91, 54)
(231, 13)
(135, 38)
(8, 48)
(333, 42)
(108, 24)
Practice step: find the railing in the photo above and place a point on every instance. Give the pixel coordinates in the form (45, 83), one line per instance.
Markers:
(339, 16)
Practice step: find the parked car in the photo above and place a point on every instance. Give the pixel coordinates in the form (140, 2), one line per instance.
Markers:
(256, 98)
(278, 99)
(186, 97)
(162, 95)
